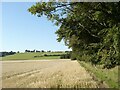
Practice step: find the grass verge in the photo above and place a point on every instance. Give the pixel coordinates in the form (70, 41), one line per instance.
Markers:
(108, 76)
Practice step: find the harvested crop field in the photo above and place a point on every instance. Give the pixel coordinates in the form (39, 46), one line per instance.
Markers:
(45, 74)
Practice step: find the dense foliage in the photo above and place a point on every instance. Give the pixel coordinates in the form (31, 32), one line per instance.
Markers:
(90, 29)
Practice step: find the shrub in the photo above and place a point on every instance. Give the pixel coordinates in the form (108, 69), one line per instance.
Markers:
(45, 55)
(65, 56)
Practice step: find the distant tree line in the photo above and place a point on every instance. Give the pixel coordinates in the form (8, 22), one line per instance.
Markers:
(27, 51)
(2, 54)
(36, 51)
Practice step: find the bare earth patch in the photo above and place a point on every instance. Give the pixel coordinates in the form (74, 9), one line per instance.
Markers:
(45, 74)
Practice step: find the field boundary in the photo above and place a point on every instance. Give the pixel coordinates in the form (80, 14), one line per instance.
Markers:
(101, 83)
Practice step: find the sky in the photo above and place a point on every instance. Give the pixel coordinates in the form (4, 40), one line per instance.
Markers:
(21, 30)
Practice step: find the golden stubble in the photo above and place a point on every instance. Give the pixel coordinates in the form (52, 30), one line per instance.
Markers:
(46, 74)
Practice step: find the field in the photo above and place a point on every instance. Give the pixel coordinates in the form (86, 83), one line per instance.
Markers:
(45, 74)
(109, 76)
(47, 70)
(34, 56)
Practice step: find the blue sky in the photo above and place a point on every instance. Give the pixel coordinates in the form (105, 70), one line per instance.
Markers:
(21, 30)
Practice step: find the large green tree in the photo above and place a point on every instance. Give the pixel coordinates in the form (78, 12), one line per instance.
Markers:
(89, 28)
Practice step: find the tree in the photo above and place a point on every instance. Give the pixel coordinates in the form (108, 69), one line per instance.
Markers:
(88, 28)
(42, 51)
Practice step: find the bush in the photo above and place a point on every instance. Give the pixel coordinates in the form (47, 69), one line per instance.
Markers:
(65, 56)
(45, 55)
(73, 56)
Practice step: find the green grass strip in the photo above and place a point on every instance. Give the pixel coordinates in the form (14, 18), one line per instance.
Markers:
(109, 76)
